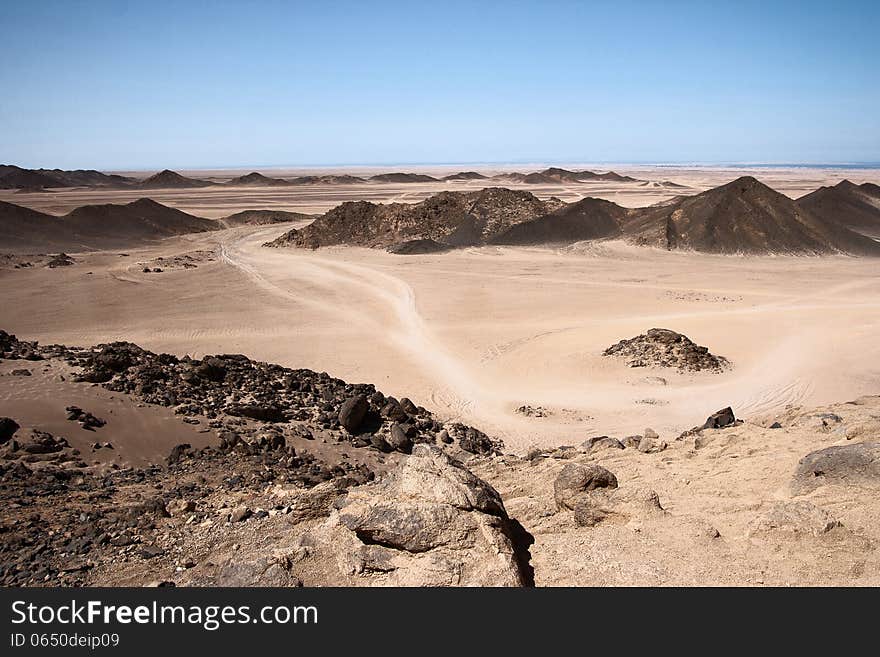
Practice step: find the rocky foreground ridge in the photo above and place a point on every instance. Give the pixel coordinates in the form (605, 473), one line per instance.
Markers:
(784, 499)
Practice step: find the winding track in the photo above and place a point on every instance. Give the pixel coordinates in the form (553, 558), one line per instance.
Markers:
(386, 306)
(393, 299)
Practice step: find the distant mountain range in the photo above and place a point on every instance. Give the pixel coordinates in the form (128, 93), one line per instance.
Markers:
(13, 177)
(742, 217)
(554, 175)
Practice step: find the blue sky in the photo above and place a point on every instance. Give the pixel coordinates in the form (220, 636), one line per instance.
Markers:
(192, 84)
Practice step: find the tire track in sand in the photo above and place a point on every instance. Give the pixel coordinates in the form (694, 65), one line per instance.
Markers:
(455, 387)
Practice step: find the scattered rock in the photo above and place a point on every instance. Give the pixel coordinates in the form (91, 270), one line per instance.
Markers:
(651, 443)
(798, 517)
(86, 420)
(718, 420)
(398, 440)
(239, 514)
(151, 551)
(61, 260)
(263, 412)
(598, 443)
(180, 506)
(473, 440)
(534, 411)
(575, 479)
(352, 413)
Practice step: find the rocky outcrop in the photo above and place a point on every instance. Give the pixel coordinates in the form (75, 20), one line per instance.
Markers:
(430, 522)
(665, 348)
(234, 385)
(576, 479)
(857, 464)
(448, 219)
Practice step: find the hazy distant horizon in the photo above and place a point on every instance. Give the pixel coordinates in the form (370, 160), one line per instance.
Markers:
(526, 164)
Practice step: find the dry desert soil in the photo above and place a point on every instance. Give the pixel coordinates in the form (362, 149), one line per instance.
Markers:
(507, 339)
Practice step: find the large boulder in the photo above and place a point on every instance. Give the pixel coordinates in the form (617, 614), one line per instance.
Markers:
(430, 522)
(473, 440)
(843, 464)
(352, 412)
(8, 427)
(720, 419)
(576, 479)
(398, 440)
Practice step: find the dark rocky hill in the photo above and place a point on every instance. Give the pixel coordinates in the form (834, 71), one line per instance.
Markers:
(168, 179)
(13, 177)
(587, 219)
(94, 226)
(847, 204)
(257, 180)
(743, 216)
(451, 218)
(402, 178)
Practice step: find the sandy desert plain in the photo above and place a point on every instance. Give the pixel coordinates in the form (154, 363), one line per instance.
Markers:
(507, 339)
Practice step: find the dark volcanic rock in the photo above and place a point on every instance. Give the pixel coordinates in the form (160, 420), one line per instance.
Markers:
(473, 440)
(42, 442)
(745, 217)
(211, 368)
(86, 419)
(666, 348)
(61, 260)
(8, 427)
(720, 419)
(452, 218)
(352, 413)
(265, 413)
(398, 440)
(587, 219)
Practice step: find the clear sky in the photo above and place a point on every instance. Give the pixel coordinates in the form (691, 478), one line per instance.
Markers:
(192, 84)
